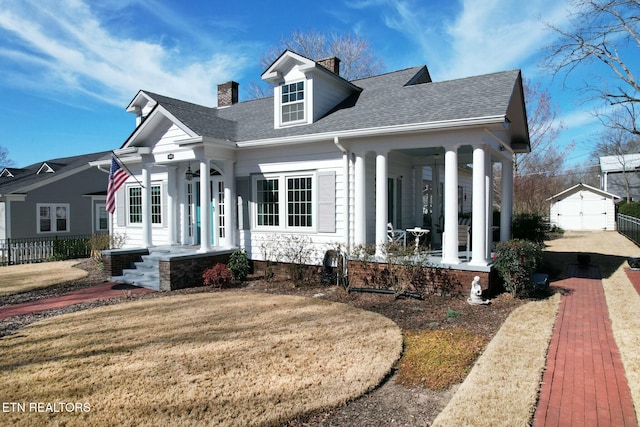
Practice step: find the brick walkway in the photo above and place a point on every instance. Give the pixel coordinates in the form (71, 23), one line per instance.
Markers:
(584, 383)
(102, 291)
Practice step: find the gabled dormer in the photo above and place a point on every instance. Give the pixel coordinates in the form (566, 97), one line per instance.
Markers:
(141, 106)
(6, 173)
(305, 90)
(45, 168)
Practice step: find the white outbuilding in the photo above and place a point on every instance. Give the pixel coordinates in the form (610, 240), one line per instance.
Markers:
(583, 207)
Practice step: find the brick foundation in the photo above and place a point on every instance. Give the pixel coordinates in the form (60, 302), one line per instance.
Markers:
(425, 280)
(186, 271)
(114, 261)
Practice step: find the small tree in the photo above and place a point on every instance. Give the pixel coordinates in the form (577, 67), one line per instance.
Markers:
(516, 260)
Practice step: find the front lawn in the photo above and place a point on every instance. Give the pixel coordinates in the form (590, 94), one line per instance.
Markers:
(15, 279)
(231, 358)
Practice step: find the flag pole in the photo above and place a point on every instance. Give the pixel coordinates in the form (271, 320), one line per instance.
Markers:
(125, 166)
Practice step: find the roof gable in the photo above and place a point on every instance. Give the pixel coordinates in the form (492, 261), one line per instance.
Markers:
(582, 187)
(45, 168)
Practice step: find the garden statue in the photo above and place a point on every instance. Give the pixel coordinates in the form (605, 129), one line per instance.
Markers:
(475, 297)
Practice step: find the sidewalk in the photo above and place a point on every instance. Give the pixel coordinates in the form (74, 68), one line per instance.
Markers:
(97, 292)
(584, 383)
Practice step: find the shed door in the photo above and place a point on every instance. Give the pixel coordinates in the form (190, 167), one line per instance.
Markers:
(583, 211)
(594, 215)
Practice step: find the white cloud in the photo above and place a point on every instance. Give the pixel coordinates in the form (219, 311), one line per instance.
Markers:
(476, 37)
(63, 48)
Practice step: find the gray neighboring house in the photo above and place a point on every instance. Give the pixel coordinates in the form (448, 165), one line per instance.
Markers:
(58, 197)
(618, 171)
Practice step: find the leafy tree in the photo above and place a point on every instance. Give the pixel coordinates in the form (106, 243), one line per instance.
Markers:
(605, 32)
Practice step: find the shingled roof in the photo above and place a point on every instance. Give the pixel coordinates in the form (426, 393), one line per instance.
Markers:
(28, 176)
(385, 100)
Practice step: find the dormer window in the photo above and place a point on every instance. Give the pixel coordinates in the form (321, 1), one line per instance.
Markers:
(292, 102)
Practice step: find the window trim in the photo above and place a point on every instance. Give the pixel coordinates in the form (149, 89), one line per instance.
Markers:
(160, 206)
(283, 203)
(54, 226)
(96, 225)
(303, 102)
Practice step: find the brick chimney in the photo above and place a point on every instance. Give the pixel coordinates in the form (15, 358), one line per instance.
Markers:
(332, 64)
(227, 94)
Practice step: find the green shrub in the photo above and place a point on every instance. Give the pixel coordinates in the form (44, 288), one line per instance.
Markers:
(529, 226)
(631, 209)
(516, 260)
(239, 265)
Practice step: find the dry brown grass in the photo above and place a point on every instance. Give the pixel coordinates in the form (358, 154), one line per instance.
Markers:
(204, 359)
(27, 277)
(438, 359)
(502, 387)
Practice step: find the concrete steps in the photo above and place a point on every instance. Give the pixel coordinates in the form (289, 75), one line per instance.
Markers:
(146, 273)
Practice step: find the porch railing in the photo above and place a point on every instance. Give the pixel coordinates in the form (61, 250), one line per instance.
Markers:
(630, 227)
(30, 250)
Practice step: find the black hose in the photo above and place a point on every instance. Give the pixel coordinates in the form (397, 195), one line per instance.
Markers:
(386, 291)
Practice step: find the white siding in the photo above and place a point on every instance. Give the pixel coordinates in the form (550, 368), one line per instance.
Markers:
(317, 159)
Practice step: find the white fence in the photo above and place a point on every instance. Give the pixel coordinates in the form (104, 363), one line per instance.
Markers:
(26, 251)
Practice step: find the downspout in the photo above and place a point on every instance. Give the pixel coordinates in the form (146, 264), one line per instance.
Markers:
(347, 179)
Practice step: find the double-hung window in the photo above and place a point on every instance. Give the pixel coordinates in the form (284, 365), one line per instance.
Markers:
(268, 205)
(292, 102)
(285, 202)
(134, 194)
(299, 202)
(53, 218)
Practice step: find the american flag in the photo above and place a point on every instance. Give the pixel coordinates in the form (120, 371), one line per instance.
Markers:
(117, 177)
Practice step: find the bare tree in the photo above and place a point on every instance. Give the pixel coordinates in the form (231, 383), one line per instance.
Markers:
(618, 143)
(605, 32)
(538, 174)
(357, 57)
(5, 161)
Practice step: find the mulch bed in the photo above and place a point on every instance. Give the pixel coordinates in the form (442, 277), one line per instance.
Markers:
(388, 404)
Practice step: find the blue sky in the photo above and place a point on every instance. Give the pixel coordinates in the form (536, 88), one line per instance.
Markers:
(69, 67)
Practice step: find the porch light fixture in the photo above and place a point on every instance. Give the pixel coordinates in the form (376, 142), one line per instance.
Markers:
(188, 175)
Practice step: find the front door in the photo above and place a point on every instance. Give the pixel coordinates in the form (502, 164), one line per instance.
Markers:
(216, 205)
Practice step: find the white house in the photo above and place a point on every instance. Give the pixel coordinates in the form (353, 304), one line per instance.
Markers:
(582, 208)
(621, 175)
(331, 159)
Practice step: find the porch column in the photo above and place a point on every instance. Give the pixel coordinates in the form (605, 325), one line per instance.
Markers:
(360, 212)
(479, 218)
(172, 198)
(147, 240)
(418, 200)
(205, 207)
(450, 237)
(382, 202)
(488, 188)
(230, 203)
(436, 207)
(506, 201)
